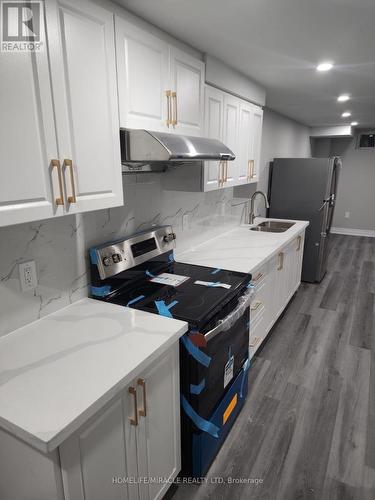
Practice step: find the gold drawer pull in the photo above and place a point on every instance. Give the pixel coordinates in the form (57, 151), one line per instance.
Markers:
(133, 392)
(142, 383)
(299, 239)
(69, 164)
(258, 277)
(174, 97)
(281, 261)
(169, 107)
(256, 305)
(56, 164)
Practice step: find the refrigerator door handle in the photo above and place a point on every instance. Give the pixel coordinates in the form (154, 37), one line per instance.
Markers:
(329, 200)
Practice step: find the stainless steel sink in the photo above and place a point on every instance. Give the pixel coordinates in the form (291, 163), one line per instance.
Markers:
(272, 226)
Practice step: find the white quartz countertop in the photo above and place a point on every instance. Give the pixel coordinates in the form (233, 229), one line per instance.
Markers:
(241, 249)
(59, 371)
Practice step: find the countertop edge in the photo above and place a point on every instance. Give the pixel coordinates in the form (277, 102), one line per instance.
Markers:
(48, 446)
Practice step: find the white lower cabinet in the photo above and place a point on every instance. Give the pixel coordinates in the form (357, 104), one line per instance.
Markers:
(274, 285)
(132, 449)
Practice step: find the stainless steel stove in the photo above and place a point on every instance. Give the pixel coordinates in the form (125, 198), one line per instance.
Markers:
(141, 272)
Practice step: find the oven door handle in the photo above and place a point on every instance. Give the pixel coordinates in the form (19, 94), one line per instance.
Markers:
(228, 321)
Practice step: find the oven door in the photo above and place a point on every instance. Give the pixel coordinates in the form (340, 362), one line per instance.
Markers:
(224, 351)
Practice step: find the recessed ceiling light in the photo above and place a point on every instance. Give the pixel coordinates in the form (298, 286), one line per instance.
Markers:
(324, 66)
(343, 98)
(346, 114)
(354, 124)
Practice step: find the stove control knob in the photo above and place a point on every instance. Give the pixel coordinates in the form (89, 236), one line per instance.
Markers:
(107, 261)
(116, 257)
(169, 237)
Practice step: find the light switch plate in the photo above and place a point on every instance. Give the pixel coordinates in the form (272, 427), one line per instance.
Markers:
(28, 276)
(347, 215)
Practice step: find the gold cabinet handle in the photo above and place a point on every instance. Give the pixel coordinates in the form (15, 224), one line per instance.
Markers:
(281, 261)
(169, 105)
(257, 277)
(299, 239)
(225, 179)
(142, 383)
(56, 164)
(69, 164)
(256, 305)
(251, 169)
(221, 173)
(174, 114)
(133, 392)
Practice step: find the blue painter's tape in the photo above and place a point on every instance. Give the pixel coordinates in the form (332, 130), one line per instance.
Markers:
(194, 351)
(250, 285)
(214, 284)
(163, 308)
(245, 368)
(100, 291)
(150, 275)
(93, 256)
(198, 388)
(133, 301)
(201, 423)
(171, 257)
(215, 271)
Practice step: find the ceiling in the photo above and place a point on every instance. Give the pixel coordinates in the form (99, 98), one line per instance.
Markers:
(278, 43)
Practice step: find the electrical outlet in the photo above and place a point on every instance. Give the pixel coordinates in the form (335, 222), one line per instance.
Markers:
(347, 215)
(28, 276)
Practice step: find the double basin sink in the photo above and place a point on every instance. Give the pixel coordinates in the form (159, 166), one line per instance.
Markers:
(272, 226)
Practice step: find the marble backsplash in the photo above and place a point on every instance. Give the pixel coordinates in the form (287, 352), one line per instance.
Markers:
(59, 246)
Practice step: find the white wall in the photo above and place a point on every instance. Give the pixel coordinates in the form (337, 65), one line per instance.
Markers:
(281, 137)
(356, 184)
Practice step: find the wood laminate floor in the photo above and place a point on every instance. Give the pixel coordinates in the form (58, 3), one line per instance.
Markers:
(307, 430)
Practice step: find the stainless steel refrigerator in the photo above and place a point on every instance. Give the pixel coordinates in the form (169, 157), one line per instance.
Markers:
(305, 189)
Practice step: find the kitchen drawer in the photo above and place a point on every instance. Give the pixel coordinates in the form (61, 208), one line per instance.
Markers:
(257, 334)
(257, 309)
(259, 279)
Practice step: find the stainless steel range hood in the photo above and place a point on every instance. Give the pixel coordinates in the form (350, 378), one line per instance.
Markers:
(143, 150)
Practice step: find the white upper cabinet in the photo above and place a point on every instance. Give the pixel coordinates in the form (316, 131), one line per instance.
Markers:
(238, 124)
(231, 138)
(187, 87)
(214, 112)
(257, 142)
(29, 187)
(160, 87)
(62, 104)
(245, 150)
(143, 77)
(83, 75)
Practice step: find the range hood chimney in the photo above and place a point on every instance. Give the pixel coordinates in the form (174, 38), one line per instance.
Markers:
(143, 150)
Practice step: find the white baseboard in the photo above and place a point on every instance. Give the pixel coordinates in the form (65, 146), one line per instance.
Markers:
(353, 232)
